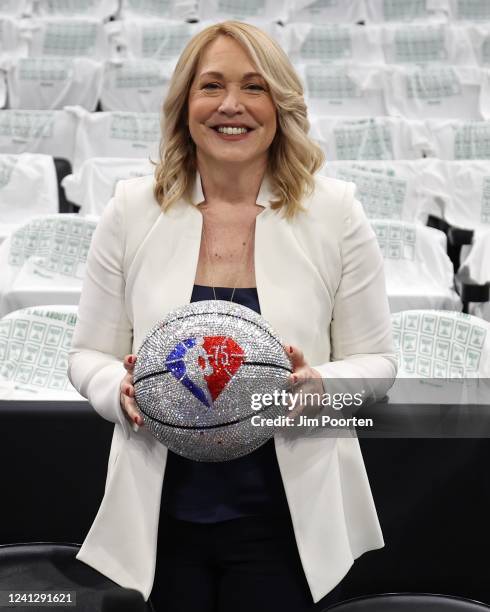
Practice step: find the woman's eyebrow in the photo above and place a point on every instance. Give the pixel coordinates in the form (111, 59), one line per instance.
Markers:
(220, 75)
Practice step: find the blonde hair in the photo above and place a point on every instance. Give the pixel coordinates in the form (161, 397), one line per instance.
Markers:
(293, 156)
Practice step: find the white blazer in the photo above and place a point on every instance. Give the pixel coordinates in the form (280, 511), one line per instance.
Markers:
(320, 285)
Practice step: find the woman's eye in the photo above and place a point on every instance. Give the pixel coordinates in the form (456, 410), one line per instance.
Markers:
(210, 86)
(255, 87)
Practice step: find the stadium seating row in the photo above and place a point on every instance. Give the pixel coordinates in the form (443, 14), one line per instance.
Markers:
(77, 135)
(34, 345)
(456, 191)
(297, 10)
(411, 92)
(163, 39)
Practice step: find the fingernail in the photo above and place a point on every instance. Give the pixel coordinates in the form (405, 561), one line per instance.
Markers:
(131, 359)
(294, 378)
(135, 419)
(290, 349)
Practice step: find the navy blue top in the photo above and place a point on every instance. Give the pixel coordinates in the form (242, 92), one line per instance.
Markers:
(211, 492)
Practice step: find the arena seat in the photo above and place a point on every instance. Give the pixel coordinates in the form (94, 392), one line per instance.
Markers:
(319, 11)
(370, 138)
(68, 37)
(16, 8)
(28, 187)
(13, 39)
(41, 83)
(177, 9)
(100, 9)
(343, 89)
(441, 344)
(387, 189)
(461, 190)
(480, 40)
(435, 91)
(418, 272)
(420, 44)
(48, 132)
(381, 11)
(159, 39)
(476, 267)
(52, 566)
(43, 262)
(409, 602)
(244, 10)
(469, 10)
(94, 183)
(311, 43)
(34, 345)
(135, 85)
(459, 139)
(115, 134)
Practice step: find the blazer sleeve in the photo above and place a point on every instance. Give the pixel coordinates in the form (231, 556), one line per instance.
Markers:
(360, 331)
(103, 334)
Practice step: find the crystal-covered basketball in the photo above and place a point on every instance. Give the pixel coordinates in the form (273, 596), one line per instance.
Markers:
(197, 372)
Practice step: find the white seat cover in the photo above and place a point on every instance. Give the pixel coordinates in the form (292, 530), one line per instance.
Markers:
(48, 132)
(43, 262)
(135, 85)
(457, 140)
(327, 11)
(461, 190)
(34, 345)
(243, 10)
(343, 89)
(420, 44)
(406, 10)
(440, 344)
(158, 39)
(477, 263)
(51, 83)
(386, 189)
(312, 43)
(28, 187)
(100, 9)
(370, 138)
(435, 91)
(177, 9)
(94, 183)
(69, 37)
(469, 10)
(116, 134)
(418, 272)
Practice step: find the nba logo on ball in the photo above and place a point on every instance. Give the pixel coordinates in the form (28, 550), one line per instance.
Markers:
(195, 376)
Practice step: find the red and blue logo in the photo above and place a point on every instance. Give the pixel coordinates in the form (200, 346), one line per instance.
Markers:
(205, 365)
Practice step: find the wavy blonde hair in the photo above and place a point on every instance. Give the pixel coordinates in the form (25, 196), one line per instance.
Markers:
(293, 156)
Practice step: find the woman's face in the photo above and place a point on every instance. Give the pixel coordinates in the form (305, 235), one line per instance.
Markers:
(226, 94)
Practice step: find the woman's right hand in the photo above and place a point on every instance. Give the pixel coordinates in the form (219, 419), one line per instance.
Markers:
(128, 403)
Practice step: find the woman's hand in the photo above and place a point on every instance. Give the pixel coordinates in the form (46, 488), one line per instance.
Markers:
(128, 403)
(303, 379)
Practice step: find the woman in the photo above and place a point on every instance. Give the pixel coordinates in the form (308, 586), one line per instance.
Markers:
(235, 212)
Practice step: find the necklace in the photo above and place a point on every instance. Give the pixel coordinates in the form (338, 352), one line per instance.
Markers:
(211, 262)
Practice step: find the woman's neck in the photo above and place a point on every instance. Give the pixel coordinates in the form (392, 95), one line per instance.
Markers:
(231, 183)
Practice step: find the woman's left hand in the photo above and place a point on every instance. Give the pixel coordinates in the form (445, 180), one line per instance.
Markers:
(303, 378)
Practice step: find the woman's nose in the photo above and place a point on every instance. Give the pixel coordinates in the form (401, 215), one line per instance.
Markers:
(231, 103)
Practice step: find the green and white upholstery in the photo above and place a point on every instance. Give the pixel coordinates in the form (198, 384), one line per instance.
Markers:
(418, 272)
(374, 138)
(102, 9)
(166, 9)
(28, 187)
(135, 85)
(69, 37)
(43, 262)
(440, 344)
(34, 345)
(93, 185)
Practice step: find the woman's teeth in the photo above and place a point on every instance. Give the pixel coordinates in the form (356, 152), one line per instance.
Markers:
(232, 130)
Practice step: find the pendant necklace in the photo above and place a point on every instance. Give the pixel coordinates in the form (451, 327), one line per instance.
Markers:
(242, 267)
